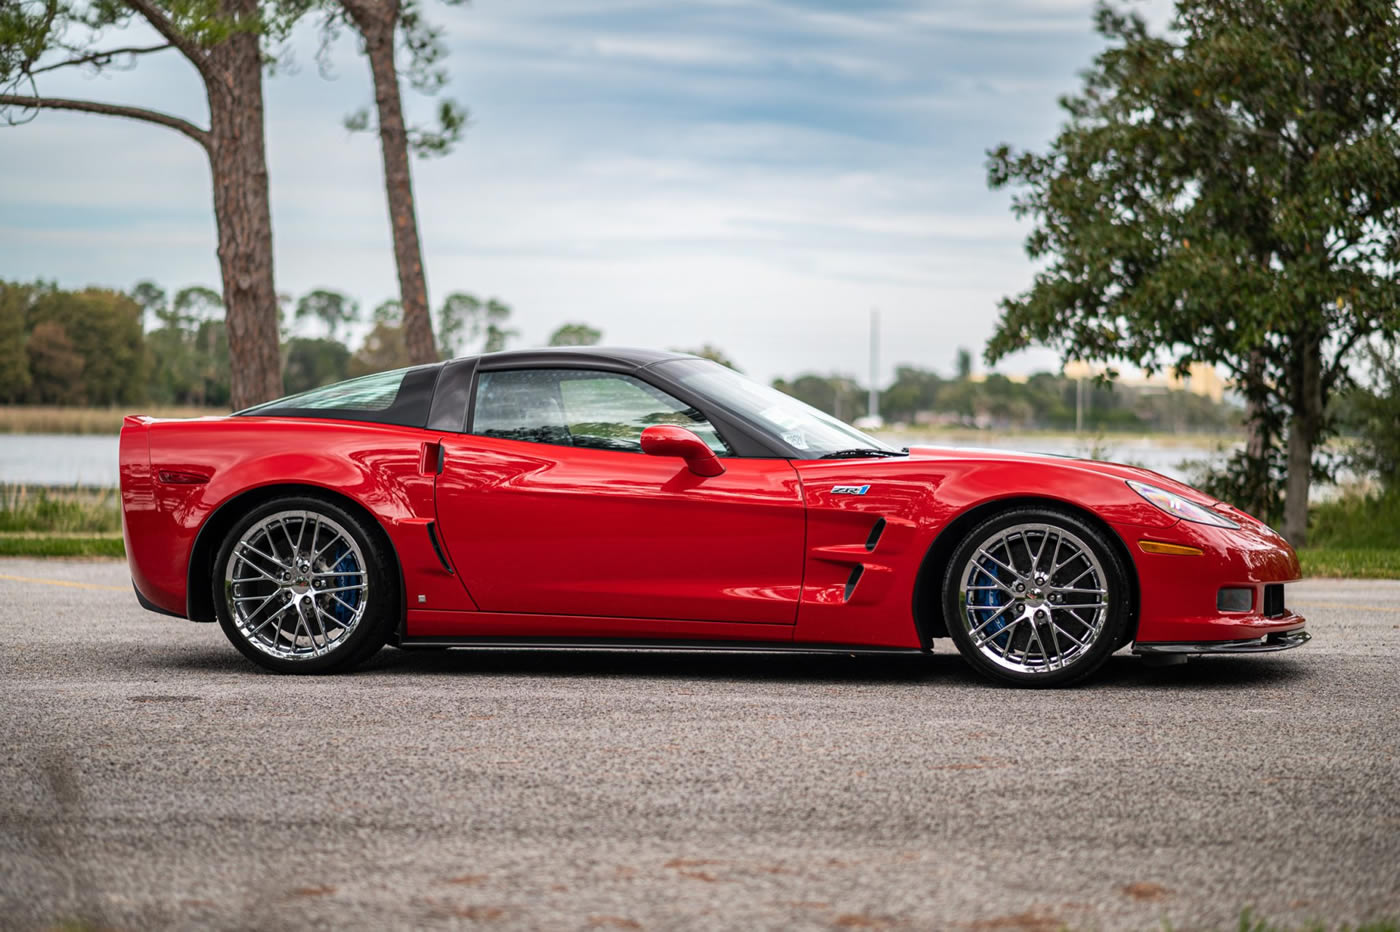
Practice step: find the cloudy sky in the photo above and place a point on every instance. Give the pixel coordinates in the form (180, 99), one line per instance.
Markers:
(756, 174)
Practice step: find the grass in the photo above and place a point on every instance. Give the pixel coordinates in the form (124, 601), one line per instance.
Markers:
(1362, 563)
(61, 545)
(1357, 521)
(1357, 535)
(47, 419)
(62, 510)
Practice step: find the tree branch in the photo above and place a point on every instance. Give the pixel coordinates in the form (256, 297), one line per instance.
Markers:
(89, 106)
(162, 24)
(102, 57)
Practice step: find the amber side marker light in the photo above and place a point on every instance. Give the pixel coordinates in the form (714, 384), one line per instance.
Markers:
(1157, 546)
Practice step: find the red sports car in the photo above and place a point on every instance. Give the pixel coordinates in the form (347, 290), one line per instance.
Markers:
(621, 498)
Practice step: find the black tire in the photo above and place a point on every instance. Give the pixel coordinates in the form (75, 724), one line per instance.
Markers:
(366, 624)
(998, 628)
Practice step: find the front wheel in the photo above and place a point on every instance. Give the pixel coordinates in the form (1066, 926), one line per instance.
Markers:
(301, 585)
(1036, 597)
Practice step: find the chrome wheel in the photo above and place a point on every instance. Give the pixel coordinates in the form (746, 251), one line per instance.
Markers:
(296, 585)
(1033, 598)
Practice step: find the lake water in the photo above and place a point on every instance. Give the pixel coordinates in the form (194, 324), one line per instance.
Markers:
(66, 459)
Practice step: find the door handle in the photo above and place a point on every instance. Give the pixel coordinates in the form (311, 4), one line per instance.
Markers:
(433, 458)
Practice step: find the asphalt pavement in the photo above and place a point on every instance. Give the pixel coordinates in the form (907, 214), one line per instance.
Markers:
(152, 778)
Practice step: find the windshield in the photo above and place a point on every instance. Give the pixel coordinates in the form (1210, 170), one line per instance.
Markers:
(799, 425)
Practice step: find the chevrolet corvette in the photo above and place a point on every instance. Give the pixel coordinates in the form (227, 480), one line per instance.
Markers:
(612, 498)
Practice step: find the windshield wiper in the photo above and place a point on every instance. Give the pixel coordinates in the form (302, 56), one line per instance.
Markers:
(862, 452)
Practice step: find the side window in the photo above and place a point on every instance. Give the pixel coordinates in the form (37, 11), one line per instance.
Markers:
(580, 408)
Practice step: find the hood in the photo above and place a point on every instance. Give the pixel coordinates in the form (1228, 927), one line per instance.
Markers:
(1111, 470)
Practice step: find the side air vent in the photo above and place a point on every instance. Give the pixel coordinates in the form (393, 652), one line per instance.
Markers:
(437, 547)
(875, 533)
(856, 572)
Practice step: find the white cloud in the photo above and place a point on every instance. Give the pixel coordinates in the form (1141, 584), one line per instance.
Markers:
(756, 175)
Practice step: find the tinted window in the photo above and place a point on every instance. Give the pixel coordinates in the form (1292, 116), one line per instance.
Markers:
(367, 393)
(580, 408)
(798, 425)
(402, 396)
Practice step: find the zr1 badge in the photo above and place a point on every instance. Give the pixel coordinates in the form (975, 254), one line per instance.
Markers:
(849, 489)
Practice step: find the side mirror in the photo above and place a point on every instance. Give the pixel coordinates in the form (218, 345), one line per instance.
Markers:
(666, 440)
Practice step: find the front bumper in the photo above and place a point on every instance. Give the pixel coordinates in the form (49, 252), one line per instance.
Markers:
(1281, 640)
(1178, 592)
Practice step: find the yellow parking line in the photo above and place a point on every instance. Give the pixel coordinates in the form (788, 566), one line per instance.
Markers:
(1350, 605)
(63, 582)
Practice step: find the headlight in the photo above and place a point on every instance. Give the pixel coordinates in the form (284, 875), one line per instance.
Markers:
(1179, 507)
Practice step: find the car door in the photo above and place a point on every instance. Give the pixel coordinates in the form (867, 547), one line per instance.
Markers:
(548, 506)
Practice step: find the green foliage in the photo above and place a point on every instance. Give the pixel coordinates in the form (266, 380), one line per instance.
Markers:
(913, 391)
(837, 395)
(14, 361)
(313, 363)
(423, 50)
(84, 347)
(464, 319)
(1372, 414)
(964, 364)
(74, 510)
(39, 36)
(575, 335)
(1043, 401)
(188, 352)
(332, 308)
(48, 545)
(1358, 563)
(383, 349)
(1356, 521)
(55, 368)
(1229, 194)
(70, 348)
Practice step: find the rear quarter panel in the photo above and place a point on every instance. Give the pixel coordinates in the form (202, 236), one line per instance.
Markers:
(378, 466)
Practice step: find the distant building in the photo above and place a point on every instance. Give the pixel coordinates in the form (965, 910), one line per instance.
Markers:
(1201, 379)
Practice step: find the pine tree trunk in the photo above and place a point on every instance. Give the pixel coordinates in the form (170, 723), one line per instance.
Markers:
(377, 24)
(238, 164)
(1260, 499)
(1303, 429)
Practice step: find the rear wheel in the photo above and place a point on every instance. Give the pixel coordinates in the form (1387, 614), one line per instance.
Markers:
(1036, 597)
(301, 585)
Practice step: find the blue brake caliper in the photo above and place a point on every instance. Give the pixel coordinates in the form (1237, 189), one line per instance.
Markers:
(986, 602)
(342, 607)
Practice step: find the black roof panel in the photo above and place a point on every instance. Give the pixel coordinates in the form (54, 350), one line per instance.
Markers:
(611, 356)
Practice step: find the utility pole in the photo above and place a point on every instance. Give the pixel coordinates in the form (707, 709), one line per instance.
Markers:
(874, 405)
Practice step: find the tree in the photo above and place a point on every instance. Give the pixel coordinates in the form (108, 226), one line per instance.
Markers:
(1375, 416)
(222, 39)
(964, 364)
(463, 319)
(837, 395)
(575, 335)
(387, 312)
(313, 363)
(332, 308)
(383, 349)
(14, 361)
(913, 390)
(55, 367)
(384, 26)
(104, 329)
(1229, 194)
